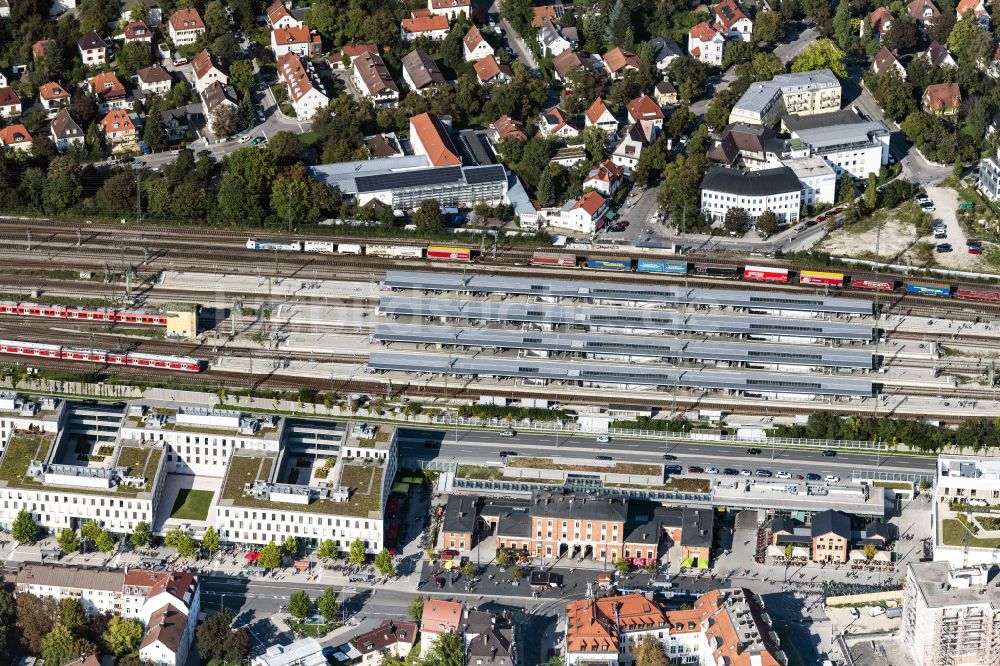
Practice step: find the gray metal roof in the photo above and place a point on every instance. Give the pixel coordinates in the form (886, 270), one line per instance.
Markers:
(632, 345)
(624, 318)
(759, 95)
(752, 184)
(606, 290)
(625, 374)
(837, 136)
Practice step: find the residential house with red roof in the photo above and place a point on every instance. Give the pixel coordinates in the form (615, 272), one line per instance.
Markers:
(137, 31)
(706, 44)
(10, 103)
(278, 16)
(553, 13)
(166, 641)
(52, 96)
(374, 80)
(646, 113)
(295, 39)
(605, 178)
(732, 21)
(566, 62)
(942, 99)
(305, 91)
(439, 617)
(886, 59)
(184, 26)
(423, 23)
(976, 9)
(450, 9)
(429, 137)
(491, 70)
(474, 45)
(207, 69)
(392, 637)
(351, 51)
(923, 12)
(119, 131)
(110, 92)
(880, 21)
(599, 116)
(617, 62)
(38, 48)
(585, 215)
(16, 137)
(506, 126)
(420, 72)
(555, 122)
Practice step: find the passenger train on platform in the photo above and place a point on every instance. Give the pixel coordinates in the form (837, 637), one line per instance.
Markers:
(135, 359)
(83, 313)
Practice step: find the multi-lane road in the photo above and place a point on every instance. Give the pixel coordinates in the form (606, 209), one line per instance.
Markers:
(483, 448)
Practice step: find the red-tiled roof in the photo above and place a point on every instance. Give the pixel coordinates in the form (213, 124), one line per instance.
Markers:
(52, 90)
(186, 19)
(596, 111)
(138, 30)
(14, 134)
(488, 67)
(117, 120)
(434, 138)
(728, 13)
(617, 59)
(591, 202)
(440, 616)
(943, 96)
(644, 108)
(507, 126)
(418, 24)
(703, 32)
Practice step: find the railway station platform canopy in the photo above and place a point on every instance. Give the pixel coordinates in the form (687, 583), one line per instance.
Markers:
(626, 375)
(624, 318)
(625, 345)
(605, 290)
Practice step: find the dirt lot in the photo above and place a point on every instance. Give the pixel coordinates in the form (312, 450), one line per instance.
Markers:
(897, 239)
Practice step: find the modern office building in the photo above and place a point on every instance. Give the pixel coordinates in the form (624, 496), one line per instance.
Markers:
(777, 190)
(859, 149)
(951, 615)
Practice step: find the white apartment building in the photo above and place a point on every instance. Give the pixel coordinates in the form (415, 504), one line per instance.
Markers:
(706, 44)
(818, 179)
(305, 92)
(451, 9)
(777, 190)
(99, 590)
(965, 479)
(951, 615)
(311, 481)
(184, 26)
(859, 149)
(802, 93)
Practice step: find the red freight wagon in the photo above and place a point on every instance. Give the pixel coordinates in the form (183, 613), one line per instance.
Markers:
(877, 285)
(765, 274)
(553, 259)
(449, 253)
(978, 294)
(819, 277)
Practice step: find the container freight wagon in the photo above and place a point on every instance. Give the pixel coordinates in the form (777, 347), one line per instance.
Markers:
(978, 294)
(874, 285)
(553, 259)
(395, 251)
(727, 272)
(608, 264)
(765, 274)
(449, 253)
(659, 266)
(349, 248)
(817, 277)
(328, 247)
(928, 289)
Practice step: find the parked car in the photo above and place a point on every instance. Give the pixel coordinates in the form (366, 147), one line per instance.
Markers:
(711, 470)
(745, 472)
(783, 475)
(180, 62)
(729, 471)
(694, 469)
(603, 458)
(764, 472)
(812, 477)
(943, 248)
(832, 478)
(673, 469)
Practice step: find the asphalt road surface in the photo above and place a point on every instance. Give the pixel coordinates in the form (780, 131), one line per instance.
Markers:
(482, 448)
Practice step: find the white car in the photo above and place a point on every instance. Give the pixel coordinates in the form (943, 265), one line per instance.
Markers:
(711, 470)
(783, 475)
(603, 439)
(830, 478)
(745, 472)
(507, 433)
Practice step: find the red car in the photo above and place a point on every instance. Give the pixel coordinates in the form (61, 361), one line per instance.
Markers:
(449, 554)
(837, 211)
(820, 218)
(975, 250)
(694, 469)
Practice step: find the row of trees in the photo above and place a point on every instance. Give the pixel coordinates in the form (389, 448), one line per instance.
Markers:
(976, 434)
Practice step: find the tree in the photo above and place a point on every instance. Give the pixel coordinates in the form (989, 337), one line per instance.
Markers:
(182, 541)
(225, 121)
(845, 188)
(546, 190)
(216, 21)
(618, 23)
(942, 26)
(142, 535)
(241, 76)
(212, 635)
(24, 528)
(94, 15)
(468, 570)
(767, 223)
(358, 552)
(768, 27)
(502, 558)
(736, 221)
(236, 648)
(299, 604)
(35, 619)
(894, 95)
(649, 652)
(843, 28)
(870, 551)
(902, 35)
(384, 563)
(290, 201)
(680, 191)
(73, 616)
(210, 541)
(117, 194)
(327, 550)
(429, 220)
(68, 541)
(270, 556)
(289, 546)
(622, 566)
(870, 197)
(123, 634)
(132, 57)
(821, 54)
(327, 604)
(515, 572)
(155, 132)
(416, 609)
(691, 75)
(57, 646)
(286, 147)
(446, 650)
(8, 623)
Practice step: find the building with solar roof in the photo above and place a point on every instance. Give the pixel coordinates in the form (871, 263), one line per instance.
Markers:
(406, 181)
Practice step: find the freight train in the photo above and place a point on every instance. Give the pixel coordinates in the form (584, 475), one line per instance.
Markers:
(80, 313)
(135, 359)
(752, 273)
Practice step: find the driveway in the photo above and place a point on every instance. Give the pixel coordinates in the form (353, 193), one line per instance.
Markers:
(521, 51)
(794, 42)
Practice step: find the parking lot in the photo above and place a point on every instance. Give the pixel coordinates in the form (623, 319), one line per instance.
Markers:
(955, 252)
